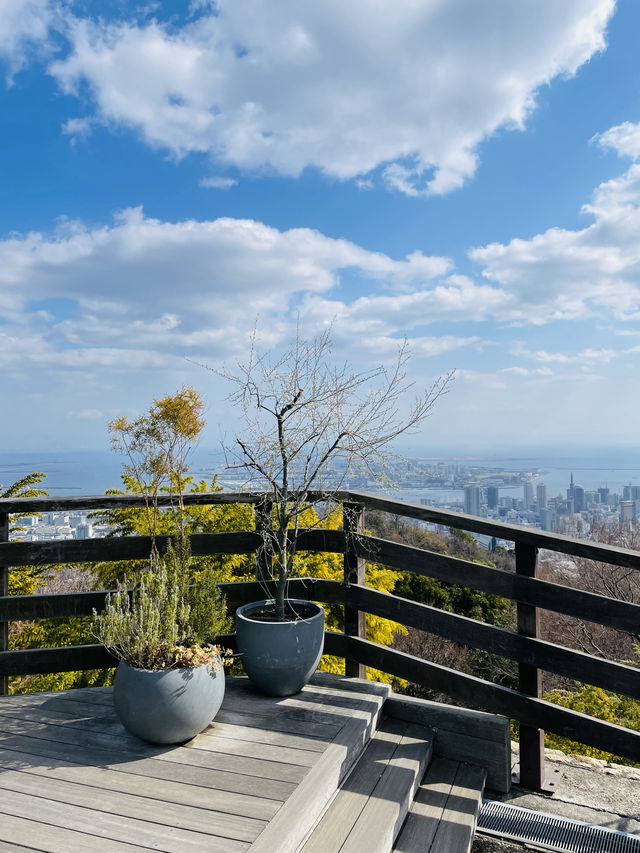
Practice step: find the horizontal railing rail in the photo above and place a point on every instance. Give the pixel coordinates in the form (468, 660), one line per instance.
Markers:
(495, 698)
(138, 547)
(524, 646)
(406, 509)
(510, 532)
(621, 615)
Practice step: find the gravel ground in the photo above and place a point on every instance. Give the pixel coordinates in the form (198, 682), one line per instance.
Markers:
(482, 844)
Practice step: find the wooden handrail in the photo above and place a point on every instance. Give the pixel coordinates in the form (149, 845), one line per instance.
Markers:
(524, 646)
(511, 532)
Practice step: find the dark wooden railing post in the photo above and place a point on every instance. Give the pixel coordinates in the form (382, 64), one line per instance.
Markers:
(264, 554)
(531, 773)
(354, 620)
(4, 590)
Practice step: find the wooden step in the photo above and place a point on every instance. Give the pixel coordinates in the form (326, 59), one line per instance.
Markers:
(357, 706)
(371, 805)
(442, 817)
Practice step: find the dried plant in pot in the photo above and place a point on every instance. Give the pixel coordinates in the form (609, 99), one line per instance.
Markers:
(308, 425)
(170, 681)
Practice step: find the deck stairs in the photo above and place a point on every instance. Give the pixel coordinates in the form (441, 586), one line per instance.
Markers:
(400, 797)
(345, 766)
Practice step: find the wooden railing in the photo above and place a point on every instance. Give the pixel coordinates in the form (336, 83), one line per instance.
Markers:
(524, 645)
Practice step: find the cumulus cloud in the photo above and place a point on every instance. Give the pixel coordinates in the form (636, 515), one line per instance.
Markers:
(347, 88)
(453, 298)
(24, 25)
(624, 139)
(146, 291)
(565, 274)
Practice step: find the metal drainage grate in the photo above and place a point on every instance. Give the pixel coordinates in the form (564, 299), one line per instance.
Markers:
(551, 832)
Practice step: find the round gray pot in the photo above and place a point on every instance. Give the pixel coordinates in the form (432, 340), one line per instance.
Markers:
(280, 657)
(167, 705)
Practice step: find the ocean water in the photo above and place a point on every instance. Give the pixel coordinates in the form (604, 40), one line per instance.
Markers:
(91, 472)
(83, 472)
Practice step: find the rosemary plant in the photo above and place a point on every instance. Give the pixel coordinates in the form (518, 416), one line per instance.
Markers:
(165, 622)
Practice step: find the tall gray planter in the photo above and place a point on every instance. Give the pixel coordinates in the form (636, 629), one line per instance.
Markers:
(167, 705)
(280, 657)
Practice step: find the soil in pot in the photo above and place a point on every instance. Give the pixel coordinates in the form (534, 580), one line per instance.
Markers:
(293, 611)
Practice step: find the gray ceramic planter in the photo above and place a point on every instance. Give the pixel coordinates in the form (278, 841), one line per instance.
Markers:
(167, 705)
(280, 657)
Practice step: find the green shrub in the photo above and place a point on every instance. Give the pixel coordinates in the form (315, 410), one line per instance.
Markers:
(165, 621)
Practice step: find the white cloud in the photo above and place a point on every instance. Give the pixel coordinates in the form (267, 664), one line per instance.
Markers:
(586, 356)
(527, 371)
(574, 274)
(88, 415)
(453, 298)
(148, 291)
(78, 128)
(24, 25)
(624, 139)
(348, 88)
(217, 182)
(384, 345)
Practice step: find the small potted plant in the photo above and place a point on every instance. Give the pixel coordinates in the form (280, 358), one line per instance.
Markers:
(170, 681)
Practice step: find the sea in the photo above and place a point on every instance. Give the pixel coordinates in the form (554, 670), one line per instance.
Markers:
(92, 472)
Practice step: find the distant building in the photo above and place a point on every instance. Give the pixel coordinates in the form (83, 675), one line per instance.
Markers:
(575, 494)
(546, 519)
(626, 510)
(492, 497)
(472, 499)
(528, 495)
(604, 495)
(84, 531)
(541, 497)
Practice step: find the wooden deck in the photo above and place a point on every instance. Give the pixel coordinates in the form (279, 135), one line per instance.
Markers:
(71, 778)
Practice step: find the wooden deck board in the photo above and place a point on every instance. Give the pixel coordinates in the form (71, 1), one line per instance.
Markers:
(232, 803)
(123, 746)
(71, 778)
(184, 816)
(443, 813)
(115, 827)
(43, 837)
(339, 819)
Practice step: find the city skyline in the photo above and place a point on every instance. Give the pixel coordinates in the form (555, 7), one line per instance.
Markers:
(455, 174)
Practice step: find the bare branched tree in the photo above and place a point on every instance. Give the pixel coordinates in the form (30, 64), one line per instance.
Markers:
(309, 425)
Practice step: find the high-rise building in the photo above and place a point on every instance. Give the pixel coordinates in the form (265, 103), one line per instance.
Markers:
(546, 519)
(84, 531)
(626, 493)
(472, 499)
(575, 493)
(578, 498)
(604, 495)
(528, 495)
(492, 497)
(541, 496)
(626, 510)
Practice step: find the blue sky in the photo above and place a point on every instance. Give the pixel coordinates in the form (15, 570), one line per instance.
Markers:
(462, 174)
